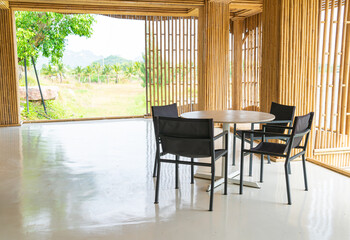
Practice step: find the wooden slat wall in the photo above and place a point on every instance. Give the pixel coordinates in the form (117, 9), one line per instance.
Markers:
(246, 42)
(213, 56)
(171, 62)
(251, 63)
(236, 35)
(289, 55)
(332, 145)
(9, 102)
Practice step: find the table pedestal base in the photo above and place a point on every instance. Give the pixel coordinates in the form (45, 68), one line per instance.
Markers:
(220, 180)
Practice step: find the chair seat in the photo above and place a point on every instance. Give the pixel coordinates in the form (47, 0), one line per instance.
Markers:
(218, 153)
(270, 147)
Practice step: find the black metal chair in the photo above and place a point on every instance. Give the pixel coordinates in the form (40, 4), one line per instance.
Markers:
(192, 138)
(162, 111)
(301, 128)
(284, 115)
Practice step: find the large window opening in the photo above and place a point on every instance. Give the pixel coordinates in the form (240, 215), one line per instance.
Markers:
(88, 66)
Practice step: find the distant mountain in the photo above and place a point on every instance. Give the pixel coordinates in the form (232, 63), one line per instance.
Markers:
(113, 59)
(82, 58)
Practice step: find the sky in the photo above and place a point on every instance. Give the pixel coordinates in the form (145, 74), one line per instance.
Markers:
(111, 36)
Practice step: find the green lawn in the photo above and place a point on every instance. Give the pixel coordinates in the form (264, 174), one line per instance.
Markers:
(84, 100)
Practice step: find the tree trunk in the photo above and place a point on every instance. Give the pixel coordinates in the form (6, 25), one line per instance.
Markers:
(107, 79)
(89, 78)
(98, 78)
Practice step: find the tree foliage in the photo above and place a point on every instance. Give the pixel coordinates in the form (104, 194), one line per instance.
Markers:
(46, 32)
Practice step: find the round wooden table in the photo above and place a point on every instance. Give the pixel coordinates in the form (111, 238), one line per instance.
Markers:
(227, 117)
(231, 116)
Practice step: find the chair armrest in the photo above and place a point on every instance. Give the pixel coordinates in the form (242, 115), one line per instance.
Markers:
(220, 135)
(276, 126)
(302, 133)
(275, 121)
(265, 133)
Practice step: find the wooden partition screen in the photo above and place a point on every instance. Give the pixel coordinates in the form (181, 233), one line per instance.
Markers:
(9, 101)
(250, 63)
(171, 62)
(332, 135)
(289, 56)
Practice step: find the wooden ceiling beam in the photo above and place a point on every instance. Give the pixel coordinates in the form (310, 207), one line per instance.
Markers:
(124, 3)
(123, 10)
(246, 4)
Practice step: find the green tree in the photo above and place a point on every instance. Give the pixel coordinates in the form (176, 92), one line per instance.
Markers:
(48, 70)
(78, 71)
(45, 33)
(107, 69)
(61, 70)
(89, 71)
(97, 69)
(129, 71)
(117, 69)
(140, 70)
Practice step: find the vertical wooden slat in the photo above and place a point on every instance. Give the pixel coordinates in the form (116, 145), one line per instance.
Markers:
(237, 65)
(170, 71)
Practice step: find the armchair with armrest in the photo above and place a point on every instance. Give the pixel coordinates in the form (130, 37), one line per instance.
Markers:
(300, 130)
(284, 115)
(191, 138)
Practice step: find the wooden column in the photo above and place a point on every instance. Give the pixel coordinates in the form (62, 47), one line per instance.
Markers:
(213, 55)
(237, 65)
(9, 102)
(271, 48)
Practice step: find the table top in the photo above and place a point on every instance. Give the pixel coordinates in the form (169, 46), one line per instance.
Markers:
(231, 116)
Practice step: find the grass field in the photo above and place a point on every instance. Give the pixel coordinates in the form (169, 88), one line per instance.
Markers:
(84, 100)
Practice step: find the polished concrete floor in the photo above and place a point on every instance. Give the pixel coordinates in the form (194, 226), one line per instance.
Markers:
(93, 180)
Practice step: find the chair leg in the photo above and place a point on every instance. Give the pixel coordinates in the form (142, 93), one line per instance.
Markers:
(289, 169)
(177, 173)
(268, 157)
(226, 174)
(305, 176)
(261, 168)
(192, 171)
(287, 181)
(155, 162)
(157, 183)
(234, 145)
(212, 185)
(241, 173)
(251, 156)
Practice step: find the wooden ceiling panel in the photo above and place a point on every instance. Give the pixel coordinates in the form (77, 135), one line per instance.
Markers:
(4, 5)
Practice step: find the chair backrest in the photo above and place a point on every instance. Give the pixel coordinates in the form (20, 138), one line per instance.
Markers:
(301, 124)
(164, 111)
(281, 112)
(186, 137)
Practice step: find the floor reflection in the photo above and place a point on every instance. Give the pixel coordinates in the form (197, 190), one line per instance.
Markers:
(93, 180)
